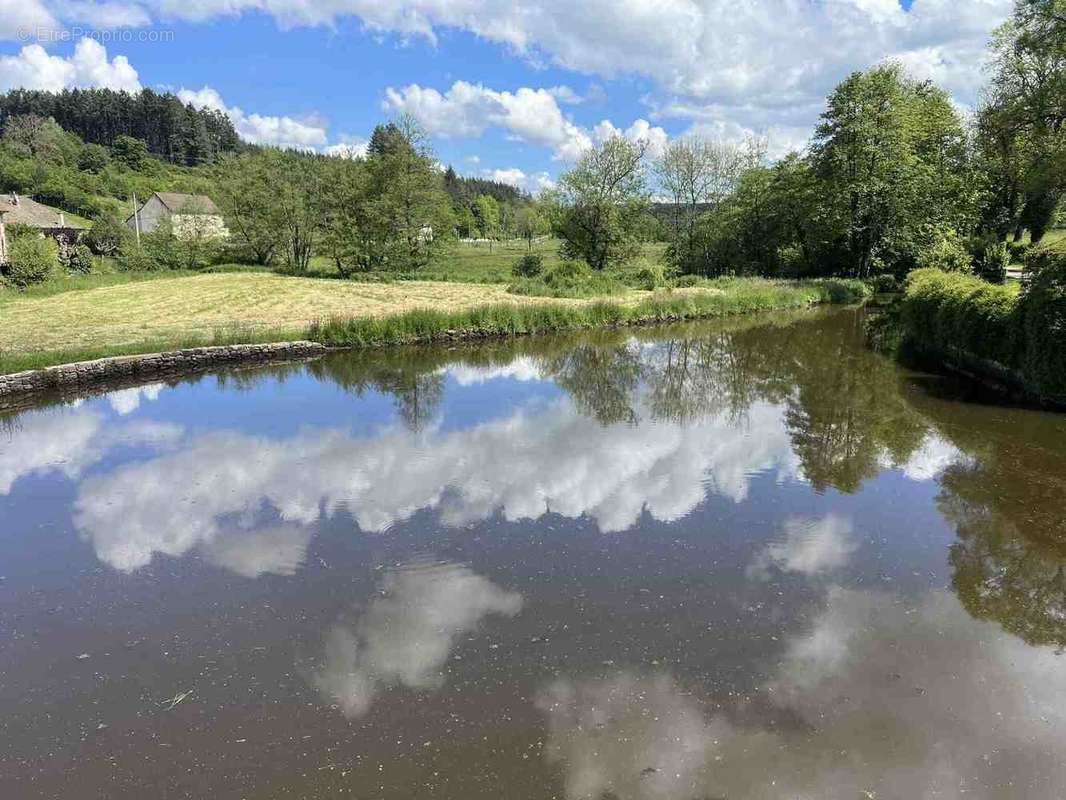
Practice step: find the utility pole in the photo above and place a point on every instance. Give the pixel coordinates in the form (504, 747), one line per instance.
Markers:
(136, 221)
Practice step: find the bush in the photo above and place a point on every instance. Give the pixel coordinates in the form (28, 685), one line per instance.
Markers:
(650, 278)
(884, 284)
(32, 260)
(1043, 318)
(77, 260)
(687, 281)
(961, 312)
(947, 253)
(137, 259)
(108, 235)
(528, 266)
(992, 262)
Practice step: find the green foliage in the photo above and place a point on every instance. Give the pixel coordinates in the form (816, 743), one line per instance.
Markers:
(32, 259)
(108, 235)
(130, 151)
(884, 284)
(598, 208)
(77, 260)
(1043, 315)
(650, 277)
(528, 266)
(946, 252)
(93, 158)
(992, 262)
(568, 279)
(963, 313)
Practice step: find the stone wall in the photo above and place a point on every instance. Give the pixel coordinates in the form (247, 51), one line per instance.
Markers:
(150, 367)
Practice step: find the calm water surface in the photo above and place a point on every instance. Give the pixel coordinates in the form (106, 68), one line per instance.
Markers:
(740, 560)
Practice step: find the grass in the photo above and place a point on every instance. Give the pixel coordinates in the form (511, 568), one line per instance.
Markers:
(428, 325)
(113, 313)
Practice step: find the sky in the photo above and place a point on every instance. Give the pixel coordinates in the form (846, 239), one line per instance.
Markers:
(513, 90)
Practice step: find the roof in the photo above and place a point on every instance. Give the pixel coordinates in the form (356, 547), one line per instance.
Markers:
(36, 215)
(177, 203)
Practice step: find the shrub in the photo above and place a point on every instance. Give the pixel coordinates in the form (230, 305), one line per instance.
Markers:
(687, 281)
(884, 284)
(961, 312)
(107, 235)
(992, 262)
(137, 259)
(32, 260)
(650, 278)
(528, 266)
(77, 260)
(1043, 318)
(947, 253)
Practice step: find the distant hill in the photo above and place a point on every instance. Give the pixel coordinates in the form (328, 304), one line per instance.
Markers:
(174, 131)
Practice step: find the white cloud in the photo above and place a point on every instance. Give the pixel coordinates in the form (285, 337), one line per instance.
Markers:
(534, 183)
(87, 67)
(126, 401)
(17, 17)
(810, 547)
(279, 550)
(407, 634)
(259, 129)
(641, 130)
(759, 65)
(348, 147)
(102, 16)
(69, 443)
(555, 459)
(522, 369)
(884, 696)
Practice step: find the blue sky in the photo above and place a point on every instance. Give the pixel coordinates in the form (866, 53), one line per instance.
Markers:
(515, 89)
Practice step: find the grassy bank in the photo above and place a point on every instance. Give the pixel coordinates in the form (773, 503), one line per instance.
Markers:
(1002, 332)
(428, 325)
(158, 315)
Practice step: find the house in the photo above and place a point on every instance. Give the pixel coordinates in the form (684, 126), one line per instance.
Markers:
(190, 216)
(15, 210)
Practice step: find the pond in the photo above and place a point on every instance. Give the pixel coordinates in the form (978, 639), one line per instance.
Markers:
(742, 559)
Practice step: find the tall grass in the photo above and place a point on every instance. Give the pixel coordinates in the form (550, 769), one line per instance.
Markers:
(426, 325)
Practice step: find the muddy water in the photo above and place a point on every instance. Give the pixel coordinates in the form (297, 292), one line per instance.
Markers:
(747, 559)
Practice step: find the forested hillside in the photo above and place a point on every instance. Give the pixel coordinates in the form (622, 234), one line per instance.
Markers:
(172, 130)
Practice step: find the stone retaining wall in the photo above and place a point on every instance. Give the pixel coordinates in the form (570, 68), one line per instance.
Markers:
(151, 366)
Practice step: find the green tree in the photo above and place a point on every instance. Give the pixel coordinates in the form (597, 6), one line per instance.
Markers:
(892, 155)
(487, 212)
(597, 206)
(130, 151)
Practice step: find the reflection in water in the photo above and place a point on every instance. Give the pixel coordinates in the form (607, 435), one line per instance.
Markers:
(883, 697)
(810, 547)
(734, 648)
(70, 442)
(408, 632)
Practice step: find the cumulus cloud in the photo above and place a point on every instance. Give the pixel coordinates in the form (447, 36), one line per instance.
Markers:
(934, 456)
(17, 17)
(68, 443)
(759, 65)
(530, 115)
(407, 634)
(522, 369)
(554, 459)
(883, 697)
(534, 183)
(125, 401)
(810, 547)
(87, 67)
(278, 550)
(259, 129)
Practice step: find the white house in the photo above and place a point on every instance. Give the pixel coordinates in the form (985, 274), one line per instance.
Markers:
(191, 216)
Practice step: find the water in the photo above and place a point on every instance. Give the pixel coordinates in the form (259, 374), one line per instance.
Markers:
(747, 559)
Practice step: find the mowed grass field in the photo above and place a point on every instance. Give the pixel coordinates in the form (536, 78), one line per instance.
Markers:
(216, 306)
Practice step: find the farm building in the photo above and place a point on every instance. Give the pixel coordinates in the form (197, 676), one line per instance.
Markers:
(189, 215)
(16, 210)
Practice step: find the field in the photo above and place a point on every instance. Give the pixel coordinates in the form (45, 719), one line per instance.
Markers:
(111, 313)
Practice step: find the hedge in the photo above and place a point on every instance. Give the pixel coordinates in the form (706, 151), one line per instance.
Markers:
(1023, 330)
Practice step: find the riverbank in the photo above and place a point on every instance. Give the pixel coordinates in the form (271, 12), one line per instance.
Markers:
(187, 313)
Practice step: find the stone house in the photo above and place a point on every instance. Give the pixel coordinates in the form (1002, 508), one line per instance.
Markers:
(16, 210)
(191, 216)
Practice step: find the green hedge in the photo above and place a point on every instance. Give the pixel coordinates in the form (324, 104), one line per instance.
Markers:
(1021, 330)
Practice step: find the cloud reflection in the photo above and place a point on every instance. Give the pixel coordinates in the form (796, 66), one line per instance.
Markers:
(810, 547)
(407, 634)
(523, 466)
(882, 697)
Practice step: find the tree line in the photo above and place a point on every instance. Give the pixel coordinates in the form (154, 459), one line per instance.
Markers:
(894, 179)
(172, 130)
